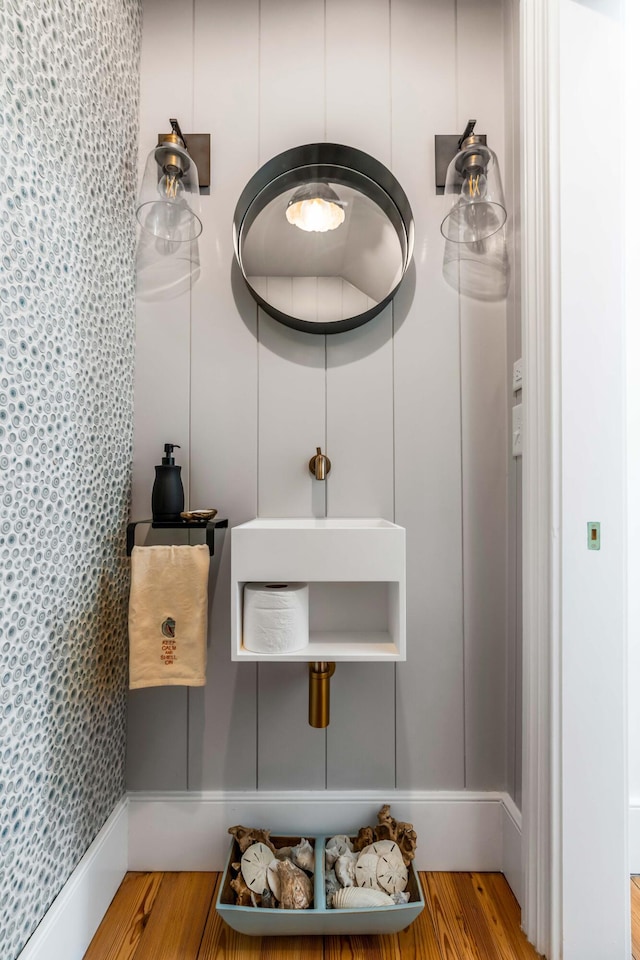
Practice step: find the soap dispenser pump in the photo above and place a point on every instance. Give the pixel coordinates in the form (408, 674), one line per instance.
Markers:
(167, 498)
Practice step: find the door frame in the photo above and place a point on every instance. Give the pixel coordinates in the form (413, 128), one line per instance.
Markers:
(547, 912)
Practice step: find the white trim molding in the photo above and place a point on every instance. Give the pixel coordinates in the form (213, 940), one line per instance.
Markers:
(542, 860)
(74, 916)
(512, 847)
(456, 830)
(634, 838)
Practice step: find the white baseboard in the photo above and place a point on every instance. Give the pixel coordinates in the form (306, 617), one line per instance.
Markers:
(512, 847)
(74, 916)
(457, 830)
(634, 838)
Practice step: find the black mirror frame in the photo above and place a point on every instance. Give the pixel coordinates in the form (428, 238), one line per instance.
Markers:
(341, 164)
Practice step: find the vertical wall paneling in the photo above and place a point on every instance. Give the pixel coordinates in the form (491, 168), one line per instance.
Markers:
(358, 77)
(162, 377)
(430, 689)
(291, 382)
(224, 377)
(360, 420)
(250, 399)
(291, 74)
(484, 431)
(360, 739)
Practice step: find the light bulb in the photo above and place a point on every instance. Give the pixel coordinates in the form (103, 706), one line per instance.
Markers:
(170, 188)
(315, 215)
(474, 187)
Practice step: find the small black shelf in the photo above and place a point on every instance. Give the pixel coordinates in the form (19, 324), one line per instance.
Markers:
(209, 526)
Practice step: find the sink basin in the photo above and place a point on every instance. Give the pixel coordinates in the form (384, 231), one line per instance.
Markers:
(356, 571)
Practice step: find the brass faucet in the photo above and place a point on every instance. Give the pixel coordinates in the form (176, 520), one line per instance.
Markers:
(320, 465)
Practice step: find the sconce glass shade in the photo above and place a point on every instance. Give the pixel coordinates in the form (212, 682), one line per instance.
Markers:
(473, 178)
(315, 208)
(169, 201)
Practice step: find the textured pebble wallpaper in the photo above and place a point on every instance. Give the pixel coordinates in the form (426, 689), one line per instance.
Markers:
(68, 134)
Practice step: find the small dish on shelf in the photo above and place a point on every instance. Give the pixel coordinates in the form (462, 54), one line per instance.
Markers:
(194, 515)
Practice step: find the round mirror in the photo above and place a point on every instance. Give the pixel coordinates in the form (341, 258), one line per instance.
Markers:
(323, 235)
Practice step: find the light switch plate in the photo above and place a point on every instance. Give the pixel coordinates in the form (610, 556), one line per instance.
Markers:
(593, 535)
(517, 375)
(516, 430)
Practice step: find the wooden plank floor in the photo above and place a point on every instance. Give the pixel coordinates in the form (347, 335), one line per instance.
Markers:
(172, 916)
(635, 917)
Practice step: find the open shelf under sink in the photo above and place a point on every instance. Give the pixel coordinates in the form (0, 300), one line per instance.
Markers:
(355, 569)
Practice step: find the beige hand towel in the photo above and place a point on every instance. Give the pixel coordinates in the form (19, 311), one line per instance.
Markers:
(168, 616)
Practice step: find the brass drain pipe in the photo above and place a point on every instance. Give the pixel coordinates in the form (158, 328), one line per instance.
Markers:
(320, 673)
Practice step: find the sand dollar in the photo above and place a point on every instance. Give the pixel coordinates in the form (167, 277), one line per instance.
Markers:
(391, 873)
(367, 870)
(384, 848)
(254, 864)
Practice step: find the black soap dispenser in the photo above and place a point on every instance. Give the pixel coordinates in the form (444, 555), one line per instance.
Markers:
(167, 498)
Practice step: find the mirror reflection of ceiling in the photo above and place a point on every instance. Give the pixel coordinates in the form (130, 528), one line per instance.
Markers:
(363, 255)
(323, 234)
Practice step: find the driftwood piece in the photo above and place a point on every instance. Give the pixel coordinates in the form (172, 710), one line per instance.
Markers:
(402, 833)
(243, 894)
(364, 838)
(246, 836)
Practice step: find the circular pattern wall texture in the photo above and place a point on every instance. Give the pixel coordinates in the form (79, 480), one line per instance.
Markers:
(68, 100)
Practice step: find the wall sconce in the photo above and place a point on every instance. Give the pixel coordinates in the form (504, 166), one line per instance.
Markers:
(169, 201)
(473, 178)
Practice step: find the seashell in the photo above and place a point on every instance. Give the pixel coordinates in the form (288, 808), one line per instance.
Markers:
(255, 861)
(331, 886)
(302, 855)
(269, 901)
(351, 898)
(367, 870)
(345, 868)
(273, 878)
(336, 847)
(383, 847)
(404, 897)
(284, 853)
(295, 887)
(391, 872)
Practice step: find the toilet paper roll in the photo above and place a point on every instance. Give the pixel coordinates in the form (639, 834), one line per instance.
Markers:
(276, 617)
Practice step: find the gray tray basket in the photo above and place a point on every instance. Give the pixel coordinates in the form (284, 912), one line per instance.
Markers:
(318, 920)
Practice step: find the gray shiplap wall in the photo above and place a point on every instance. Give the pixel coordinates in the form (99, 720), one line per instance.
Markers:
(422, 387)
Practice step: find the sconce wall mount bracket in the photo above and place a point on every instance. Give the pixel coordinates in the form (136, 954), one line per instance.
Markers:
(199, 147)
(447, 146)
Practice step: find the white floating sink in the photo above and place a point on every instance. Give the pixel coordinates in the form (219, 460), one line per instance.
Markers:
(318, 523)
(356, 571)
